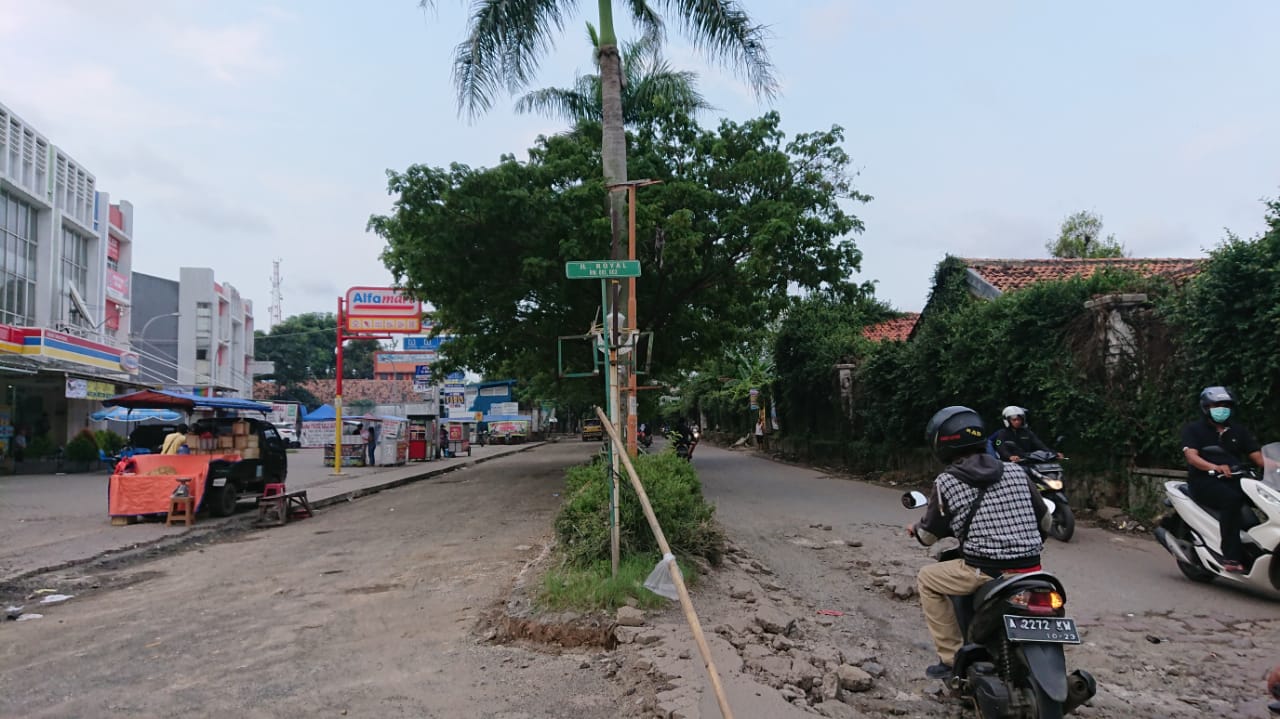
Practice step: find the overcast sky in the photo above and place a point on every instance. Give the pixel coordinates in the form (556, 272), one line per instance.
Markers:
(244, 131)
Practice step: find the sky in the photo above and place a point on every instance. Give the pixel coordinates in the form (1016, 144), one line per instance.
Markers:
(245, 131)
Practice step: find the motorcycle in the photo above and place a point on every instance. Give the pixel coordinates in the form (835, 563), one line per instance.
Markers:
(1190, 531)
(1012, 664)
(1046, 471)
(683, 445)
(644, 437)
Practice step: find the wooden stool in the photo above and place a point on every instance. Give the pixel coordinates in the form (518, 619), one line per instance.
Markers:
(297, 504)
(181, 509)
(273, 510)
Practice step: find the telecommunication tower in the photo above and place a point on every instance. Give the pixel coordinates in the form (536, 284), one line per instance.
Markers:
(277, 297)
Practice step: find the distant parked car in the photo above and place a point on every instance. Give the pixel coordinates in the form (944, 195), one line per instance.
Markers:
(289, 435)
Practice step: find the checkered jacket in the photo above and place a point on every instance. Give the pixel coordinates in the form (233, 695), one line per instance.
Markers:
(1005, 532)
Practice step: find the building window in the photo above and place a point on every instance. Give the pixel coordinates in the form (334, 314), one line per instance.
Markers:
(17, 261)
(75, 271)
(202, 353)
(204, 319)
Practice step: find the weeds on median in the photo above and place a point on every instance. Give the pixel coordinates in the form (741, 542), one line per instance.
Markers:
(592, 587)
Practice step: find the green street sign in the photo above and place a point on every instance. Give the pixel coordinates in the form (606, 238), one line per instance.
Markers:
(601, 269)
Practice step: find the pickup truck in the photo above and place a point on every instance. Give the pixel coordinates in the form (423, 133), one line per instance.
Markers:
(228, 482)
(592, 430)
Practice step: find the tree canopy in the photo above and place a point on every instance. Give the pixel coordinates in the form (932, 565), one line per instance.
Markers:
(1081, 236)
(302, 348)
(743, 216)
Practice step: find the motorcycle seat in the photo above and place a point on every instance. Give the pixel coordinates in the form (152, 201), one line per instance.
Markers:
(1248, 519)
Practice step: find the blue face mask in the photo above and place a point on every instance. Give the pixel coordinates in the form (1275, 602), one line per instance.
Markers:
(1219, 414)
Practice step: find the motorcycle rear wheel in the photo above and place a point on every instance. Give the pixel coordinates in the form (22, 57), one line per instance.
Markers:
(1195, 572)
(1046, 708)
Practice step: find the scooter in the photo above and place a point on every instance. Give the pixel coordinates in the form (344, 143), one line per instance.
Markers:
(1012, 664)
(1190, 531)
(1046, 471)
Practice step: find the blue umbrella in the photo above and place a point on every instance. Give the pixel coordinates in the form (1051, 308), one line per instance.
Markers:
(123, 414)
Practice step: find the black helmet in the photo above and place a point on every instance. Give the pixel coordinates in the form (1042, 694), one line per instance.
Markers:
(953, 429)
(1214, 395)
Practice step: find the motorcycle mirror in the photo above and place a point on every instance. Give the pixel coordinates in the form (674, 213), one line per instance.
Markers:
(912, 500)
(1058, 442)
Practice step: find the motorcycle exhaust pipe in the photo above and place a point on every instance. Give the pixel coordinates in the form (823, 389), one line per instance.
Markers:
(1174, 545)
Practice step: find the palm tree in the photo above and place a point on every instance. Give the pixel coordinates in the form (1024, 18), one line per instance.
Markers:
(649, 85)
(506, 39)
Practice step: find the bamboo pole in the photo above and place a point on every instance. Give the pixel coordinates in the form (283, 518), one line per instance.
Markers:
(685, 602)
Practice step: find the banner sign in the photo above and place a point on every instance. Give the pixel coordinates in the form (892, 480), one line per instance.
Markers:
(89, 389)
(318, 433)
(382, 310)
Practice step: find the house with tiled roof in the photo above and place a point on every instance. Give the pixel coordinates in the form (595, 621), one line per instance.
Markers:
(990, 278)
(897, 329)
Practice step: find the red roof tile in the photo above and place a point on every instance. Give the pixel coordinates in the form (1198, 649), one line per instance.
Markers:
(1010, 275)
(894, 330)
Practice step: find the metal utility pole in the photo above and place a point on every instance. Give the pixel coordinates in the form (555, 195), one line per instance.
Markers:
(633, 323)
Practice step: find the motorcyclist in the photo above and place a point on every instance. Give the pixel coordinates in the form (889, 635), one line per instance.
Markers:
(1015, 440)
(1215, 444)
(990, 506)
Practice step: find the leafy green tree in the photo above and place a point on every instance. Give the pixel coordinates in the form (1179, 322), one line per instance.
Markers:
(302, 347)
(649, 88)
(507, 39)
(744, 215)
(1081, 237)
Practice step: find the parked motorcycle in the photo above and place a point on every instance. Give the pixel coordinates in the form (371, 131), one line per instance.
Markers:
(1190, 531)
(1012, 665)
(1046, 471)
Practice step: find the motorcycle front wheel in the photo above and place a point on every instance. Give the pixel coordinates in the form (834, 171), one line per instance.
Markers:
(1064, 523)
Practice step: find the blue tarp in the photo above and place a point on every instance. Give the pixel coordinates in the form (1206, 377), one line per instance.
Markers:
(321, 413)
(163, 399)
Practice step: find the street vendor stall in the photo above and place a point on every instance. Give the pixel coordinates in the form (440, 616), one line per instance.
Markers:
(392, 444)
(457, 437)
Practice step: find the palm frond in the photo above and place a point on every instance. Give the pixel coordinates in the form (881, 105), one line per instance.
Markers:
(506, 39)
(648, 20)
(667, 91)
(557, 102)
(723, 30)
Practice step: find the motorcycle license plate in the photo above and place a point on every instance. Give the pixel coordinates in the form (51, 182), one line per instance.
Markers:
(1056, 630)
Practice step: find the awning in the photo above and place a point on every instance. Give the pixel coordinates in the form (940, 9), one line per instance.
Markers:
(162, 399)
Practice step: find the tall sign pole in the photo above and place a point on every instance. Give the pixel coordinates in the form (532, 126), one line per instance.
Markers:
(337, 394)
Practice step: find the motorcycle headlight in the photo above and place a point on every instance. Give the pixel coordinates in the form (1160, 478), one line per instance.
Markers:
(1054, 484)
(1268, 495)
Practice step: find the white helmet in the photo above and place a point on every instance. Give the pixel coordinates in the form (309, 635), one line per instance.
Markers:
(1013, 411)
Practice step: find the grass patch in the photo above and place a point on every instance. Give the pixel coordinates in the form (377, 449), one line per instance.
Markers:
(592, 586)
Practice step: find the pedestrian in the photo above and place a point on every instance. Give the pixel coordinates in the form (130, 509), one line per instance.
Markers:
(20, 444)
(175, 439)
(372, 446)
(760, 434)
(444, 440)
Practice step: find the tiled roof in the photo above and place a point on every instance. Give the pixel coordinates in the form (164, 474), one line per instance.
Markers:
(894, 330)
(380, 391)
(1010, 275)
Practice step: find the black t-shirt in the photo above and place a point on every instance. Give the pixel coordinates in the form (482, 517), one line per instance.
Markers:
(1232, 447)
(1009, 441)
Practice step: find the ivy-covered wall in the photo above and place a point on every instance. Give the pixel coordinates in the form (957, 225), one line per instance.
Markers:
(1043, 349)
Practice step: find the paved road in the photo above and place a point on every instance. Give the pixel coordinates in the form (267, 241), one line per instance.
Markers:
(366, 610)
(49, 520)
(1128, 573)
(1159, 645)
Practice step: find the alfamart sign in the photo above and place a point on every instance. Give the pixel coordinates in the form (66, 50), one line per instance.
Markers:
(381, 309)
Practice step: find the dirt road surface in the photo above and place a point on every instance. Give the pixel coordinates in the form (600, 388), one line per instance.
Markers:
(1159, 645)
(365, 611)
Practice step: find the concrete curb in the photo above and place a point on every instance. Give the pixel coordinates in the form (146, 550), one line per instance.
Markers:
(212, 526)
(401, 481)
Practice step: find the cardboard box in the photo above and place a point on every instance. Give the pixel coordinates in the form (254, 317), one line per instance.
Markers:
(252, 441)
(226, 442)
(241, 441)
(249, 453)
(240, 427)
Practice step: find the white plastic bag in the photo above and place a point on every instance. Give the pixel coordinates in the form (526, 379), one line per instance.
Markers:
(660, 582)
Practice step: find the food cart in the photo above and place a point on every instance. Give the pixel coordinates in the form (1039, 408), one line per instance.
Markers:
(392, 446)
(458, 437)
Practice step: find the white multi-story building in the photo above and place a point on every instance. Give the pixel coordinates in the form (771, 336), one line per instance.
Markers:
(195, 333)
(65, 260)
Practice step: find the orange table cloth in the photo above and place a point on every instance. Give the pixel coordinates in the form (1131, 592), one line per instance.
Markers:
(136, 489)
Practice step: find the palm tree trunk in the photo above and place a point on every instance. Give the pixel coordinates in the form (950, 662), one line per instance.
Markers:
(614, 148)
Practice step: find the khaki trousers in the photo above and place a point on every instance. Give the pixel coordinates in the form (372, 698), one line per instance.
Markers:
(937, 583)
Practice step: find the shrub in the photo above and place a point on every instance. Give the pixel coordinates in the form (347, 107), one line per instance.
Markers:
(109, 440)
(41, 446)
(83, 447)
(686, 518)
